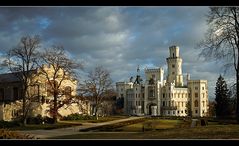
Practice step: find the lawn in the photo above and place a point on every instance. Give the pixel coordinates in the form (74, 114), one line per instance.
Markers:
(44, 126)
(153, 124)
(205, 132)
(163, 129)
(100, 120)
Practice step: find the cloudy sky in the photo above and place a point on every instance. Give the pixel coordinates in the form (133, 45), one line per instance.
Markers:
(117, 38)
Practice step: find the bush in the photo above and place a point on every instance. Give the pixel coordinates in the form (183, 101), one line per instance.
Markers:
(35, 120)
(77, 116)
(10, 124)
(48, 120)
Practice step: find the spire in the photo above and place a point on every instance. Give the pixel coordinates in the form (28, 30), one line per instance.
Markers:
(138, 70)
(138, 79)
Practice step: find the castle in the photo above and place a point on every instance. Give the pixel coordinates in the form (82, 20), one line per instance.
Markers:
(171, 97)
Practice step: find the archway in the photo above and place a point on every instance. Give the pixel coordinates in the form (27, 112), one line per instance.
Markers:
(152, 109)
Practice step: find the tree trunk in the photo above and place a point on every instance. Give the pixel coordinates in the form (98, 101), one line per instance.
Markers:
(24, 120)
(237, 102)
(24, 115)
(55, 108)
(96, 113)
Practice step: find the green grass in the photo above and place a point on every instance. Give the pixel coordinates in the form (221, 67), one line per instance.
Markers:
(100, 119)
(45, 126)
(205, 132)
(156, 123)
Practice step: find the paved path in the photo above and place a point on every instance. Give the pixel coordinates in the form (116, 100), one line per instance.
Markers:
(43, 134)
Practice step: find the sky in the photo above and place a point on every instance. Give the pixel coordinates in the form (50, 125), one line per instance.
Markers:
(117, 38)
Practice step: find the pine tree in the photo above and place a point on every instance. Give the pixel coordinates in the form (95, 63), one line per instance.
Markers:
(222, 98)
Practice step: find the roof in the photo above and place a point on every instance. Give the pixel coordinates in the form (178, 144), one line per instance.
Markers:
(10, 77)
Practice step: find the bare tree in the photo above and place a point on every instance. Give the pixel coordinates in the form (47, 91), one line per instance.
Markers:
(62, 68)
(97, 87)
(222, 40)
(21, 61)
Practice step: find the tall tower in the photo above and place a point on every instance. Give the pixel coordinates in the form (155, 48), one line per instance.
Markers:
(174, 62)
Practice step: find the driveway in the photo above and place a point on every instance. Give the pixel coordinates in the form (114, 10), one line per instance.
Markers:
(43, 134)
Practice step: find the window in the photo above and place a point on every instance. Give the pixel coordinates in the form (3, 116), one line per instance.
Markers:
(1, 94)
(168, 95)
(136, 95)
(182, 104)
(151, 92)
(121, 95)
(163, 103)
(68, 91)
(153, 76)
(168, 112)
(163, 95)
(196, 95)
(15, 93)
(173, 73)
(196, 103)
(143, 95)
(202, 88)
(182, 112)
(139, 96)
(174, 112)
(121, 89)
(196, 111)
(203, 95)
(186, 111)
(173, 66)
(173, 54)
(203, 111)
(196, 88)
(178, 112)
(203, 103)
(136, 89)
(169, 103)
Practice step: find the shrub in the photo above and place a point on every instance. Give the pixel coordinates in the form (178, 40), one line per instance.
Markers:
(9, 124)
(35, 120)
(48, 120)
(77, 116)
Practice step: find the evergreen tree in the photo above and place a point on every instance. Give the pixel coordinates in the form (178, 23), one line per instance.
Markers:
(222, 98)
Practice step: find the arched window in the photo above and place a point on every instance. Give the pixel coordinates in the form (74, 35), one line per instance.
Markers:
(196, 103)
(68, 91)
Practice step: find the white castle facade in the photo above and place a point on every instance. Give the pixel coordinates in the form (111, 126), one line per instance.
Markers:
(171, 97)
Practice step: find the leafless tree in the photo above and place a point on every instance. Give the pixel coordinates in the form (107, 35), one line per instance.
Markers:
(221, 41)
(21, 61)
(98, 87)
(63, 68)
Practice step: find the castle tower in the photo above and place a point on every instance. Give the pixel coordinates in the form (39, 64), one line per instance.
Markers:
(174, 62)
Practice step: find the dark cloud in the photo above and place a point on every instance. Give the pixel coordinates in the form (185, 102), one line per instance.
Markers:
(118, 38)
